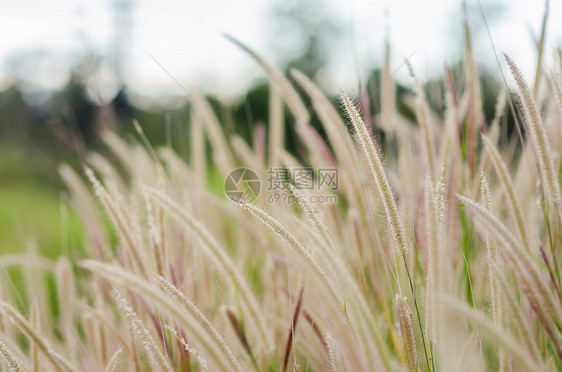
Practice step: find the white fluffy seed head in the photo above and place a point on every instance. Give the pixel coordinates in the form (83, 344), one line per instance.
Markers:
(378, 175)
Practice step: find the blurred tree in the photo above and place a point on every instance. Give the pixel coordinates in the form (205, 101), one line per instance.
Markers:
(122, 106)
(303, 33)
(79, 113)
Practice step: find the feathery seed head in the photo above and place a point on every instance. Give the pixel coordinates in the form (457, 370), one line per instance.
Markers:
(408, 333)
(378, 174)
(538, 136)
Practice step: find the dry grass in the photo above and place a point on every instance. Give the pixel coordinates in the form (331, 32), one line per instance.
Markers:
(415, 268)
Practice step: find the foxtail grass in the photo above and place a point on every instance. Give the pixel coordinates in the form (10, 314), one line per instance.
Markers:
(172, 275)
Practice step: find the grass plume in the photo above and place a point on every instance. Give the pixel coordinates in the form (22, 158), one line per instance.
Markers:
(209, 282)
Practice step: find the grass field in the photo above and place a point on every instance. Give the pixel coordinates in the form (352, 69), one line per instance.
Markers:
(30, 212)
(440, 254)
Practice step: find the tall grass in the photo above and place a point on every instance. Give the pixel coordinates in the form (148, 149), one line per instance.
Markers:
(442, 256)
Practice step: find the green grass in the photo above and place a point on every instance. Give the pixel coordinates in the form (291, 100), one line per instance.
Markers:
(28, 211)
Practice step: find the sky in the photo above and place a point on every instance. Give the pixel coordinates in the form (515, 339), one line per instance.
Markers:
(173, 42)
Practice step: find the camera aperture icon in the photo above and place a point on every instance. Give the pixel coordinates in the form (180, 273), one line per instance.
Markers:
(242, 184)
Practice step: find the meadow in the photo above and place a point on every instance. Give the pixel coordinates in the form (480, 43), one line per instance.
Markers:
(440, 253)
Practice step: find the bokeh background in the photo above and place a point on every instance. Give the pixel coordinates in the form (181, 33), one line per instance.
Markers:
(72, 68)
